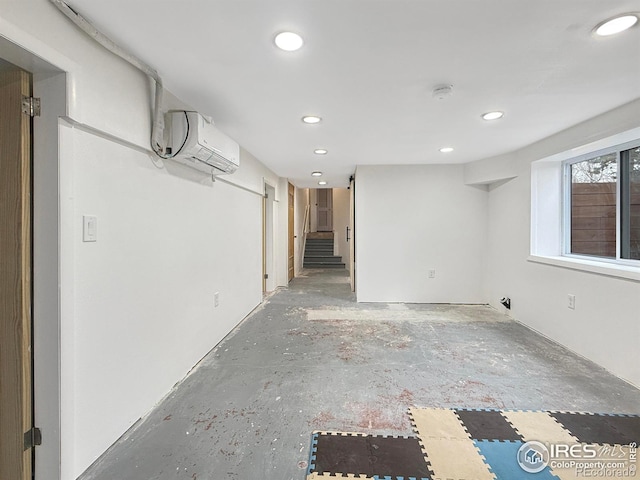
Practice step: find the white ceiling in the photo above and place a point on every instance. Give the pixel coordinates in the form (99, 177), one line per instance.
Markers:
(368, 69)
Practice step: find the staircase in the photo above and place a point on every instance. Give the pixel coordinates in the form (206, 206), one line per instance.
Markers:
(318, 252)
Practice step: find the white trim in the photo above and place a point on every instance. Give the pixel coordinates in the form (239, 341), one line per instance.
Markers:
(592, 266)
(588, 149)
(565, 247)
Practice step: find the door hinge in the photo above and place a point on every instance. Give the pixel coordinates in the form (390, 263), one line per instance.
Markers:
(266, 275)
(32, 438)
(31, 106)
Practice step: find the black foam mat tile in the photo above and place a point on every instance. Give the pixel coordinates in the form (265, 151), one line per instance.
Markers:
(594, 428)
(487, 425)
(369, 455)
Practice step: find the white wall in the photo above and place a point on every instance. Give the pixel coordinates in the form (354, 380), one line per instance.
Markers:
(136, 307)
(410, 219)
(341, 201)
(143, 311)
(605, 325)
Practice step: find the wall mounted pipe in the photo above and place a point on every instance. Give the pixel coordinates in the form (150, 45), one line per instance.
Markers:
(157, 129)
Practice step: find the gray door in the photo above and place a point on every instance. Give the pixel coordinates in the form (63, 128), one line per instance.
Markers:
(325, 210)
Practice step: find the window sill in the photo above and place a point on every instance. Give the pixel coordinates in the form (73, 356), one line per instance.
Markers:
(593, 266)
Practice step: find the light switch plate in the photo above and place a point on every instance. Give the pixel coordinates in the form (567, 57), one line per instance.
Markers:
(89, 228)
(572, 301)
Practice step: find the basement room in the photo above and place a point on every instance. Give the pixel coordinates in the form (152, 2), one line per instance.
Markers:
(290, 240)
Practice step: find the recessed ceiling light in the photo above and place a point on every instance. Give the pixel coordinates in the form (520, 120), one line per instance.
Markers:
(446, 149)
(316, 174)
(311, 119)
(288, 41)
(322, 183)
(616, 25)
(492, 115)
(320, 151)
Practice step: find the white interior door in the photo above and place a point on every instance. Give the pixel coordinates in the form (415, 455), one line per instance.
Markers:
(351, 237)
(268, 268)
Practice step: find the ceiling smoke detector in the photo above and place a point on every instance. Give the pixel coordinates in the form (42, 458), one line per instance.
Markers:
(442, 91)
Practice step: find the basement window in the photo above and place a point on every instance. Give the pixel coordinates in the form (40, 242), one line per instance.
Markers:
(602, 208)
(602, 205)
(585, 208)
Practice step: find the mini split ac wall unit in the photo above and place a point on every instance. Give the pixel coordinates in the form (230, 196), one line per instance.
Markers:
(195, 141)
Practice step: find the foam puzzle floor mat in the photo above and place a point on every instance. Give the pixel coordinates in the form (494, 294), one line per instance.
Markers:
(485, 444)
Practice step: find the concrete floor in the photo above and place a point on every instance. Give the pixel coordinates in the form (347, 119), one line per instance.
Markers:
(311, 358)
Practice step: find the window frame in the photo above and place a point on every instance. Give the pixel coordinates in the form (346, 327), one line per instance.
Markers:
(566, 205)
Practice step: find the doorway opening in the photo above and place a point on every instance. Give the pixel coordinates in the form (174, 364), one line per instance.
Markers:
(268, 271)
(291, 248)
(42, 246)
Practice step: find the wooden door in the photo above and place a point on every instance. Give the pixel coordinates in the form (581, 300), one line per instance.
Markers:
(292, 237)
(16, 389)
(325, 210)
(352, 233)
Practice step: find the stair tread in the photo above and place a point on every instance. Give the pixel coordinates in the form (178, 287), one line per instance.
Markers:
(318, 253)
(324, 265)
(323, 261)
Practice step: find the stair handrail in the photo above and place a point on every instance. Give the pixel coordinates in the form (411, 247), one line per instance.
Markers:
(305, 230)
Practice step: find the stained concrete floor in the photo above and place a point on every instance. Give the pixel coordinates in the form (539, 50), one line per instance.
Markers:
(311, 358)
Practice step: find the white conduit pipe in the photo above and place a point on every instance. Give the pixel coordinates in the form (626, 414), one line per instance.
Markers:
(157, 128)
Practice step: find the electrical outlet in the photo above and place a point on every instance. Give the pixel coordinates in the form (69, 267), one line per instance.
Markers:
(432, 274)
(572, 302)
(216, 299)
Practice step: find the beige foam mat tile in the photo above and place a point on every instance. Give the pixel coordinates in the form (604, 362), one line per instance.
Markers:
(437, 422)
(539, 426)
(567, 474)
(455, 459)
